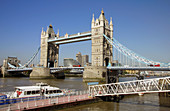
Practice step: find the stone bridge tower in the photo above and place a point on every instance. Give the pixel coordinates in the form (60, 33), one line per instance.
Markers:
(102, 51)
(49, 51)
(49, 55)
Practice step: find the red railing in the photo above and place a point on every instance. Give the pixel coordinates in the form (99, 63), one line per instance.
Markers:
(50, 101)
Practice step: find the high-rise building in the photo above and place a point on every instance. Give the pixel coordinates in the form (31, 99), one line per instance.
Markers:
(69, 62)
(82, 59)
(79, 58)
(85, 60)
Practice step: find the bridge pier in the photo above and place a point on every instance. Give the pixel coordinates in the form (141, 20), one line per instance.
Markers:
(94, 73)
(40, 73)
(5, 68)
(112, 76)
(4, 71)
(100, 74)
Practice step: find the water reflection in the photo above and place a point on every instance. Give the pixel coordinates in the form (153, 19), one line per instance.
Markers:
(8, 84)
(148, 102)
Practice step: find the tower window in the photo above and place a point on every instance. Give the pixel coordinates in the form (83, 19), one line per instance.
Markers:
(49, 35)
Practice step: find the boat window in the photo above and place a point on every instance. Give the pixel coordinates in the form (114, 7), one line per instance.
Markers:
(59, 91)
(25, 92)
(51, 92)
(44, 85)
(28, 92)
(33, 92)
(37, 92)
(46, 92)
(55, 91)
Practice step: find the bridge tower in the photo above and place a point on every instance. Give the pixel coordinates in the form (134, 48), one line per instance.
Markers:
(10, 62)
(49, 55)
(102, 51)
(49, 51)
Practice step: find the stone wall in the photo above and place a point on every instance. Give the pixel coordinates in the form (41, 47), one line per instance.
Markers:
(40, 73)
(94, 73)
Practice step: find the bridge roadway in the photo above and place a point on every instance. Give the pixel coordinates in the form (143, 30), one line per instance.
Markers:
(57, 68)
(84, 36)
(110, 68)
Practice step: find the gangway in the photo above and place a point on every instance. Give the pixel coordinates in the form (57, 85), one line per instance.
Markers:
(131, 87)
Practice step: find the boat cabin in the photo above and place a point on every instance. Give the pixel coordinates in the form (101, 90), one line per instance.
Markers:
(41, 89)
(27, 91)
(52, 91)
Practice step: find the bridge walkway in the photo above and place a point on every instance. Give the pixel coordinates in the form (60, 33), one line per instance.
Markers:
(131, 87)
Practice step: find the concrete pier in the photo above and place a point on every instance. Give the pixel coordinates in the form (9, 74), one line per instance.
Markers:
(4, 71)
(40, 73)
(94, 73)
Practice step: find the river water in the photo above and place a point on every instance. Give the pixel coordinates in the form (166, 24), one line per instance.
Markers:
(148, 102)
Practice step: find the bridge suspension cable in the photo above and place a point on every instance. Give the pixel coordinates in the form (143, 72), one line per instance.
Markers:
(31, 59)
(27, 63)
(11, 66)
(130, 54)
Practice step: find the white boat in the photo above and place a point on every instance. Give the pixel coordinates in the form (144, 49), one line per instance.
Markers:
(40, 89)
(31, 93)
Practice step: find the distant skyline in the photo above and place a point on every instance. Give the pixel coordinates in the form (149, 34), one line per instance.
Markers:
(141, 25)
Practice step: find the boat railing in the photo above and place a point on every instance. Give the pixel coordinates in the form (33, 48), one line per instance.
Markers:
(9, 94)
(26, 103)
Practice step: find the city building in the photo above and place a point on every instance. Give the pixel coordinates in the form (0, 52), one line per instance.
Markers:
(79, 58)
(69, 62)
(82, 59)
(85, 60)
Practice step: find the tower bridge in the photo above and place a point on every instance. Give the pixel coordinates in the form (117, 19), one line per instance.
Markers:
(102, 51)
(105, 51)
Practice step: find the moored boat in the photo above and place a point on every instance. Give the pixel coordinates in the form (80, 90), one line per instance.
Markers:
(29, 93)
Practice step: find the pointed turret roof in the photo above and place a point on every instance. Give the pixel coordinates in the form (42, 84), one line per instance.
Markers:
(111, 21)
(50, 26)
(102, 17)
(93, 19)
(42, 32)
(58, 33)
(102, 11)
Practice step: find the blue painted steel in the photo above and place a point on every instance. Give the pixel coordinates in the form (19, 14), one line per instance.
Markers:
(65, 38)
(140, 68)
(109, 65)
(127, 52)
(92, 83)
(74, 40)
(113, 68)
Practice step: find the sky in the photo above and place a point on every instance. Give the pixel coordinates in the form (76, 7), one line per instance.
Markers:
(141, 25)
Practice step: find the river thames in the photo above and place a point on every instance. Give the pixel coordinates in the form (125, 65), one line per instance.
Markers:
(148, 102)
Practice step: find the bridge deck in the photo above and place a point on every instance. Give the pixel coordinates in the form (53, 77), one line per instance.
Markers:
(72, 38)
(141, 68)
(110, 68)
